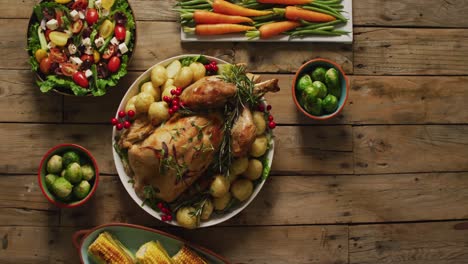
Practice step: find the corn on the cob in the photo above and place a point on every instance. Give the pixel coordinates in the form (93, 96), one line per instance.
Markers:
(108, 250)
(153, 253)
(187, 256)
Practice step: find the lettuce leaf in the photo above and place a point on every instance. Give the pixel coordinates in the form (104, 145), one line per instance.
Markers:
(100, 85)
(188, 60)
(57, 82)
(33, 45)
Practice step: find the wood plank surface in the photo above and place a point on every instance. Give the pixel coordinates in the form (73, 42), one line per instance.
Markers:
(410, 13)
(326, 244)
(299, 200)
(408, 51)
(318, 149)
(421, 243)
(21, 100)
(372, 100)
(22, 203)
(387, 149)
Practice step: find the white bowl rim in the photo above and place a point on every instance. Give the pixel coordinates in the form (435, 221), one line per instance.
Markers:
(124, 178)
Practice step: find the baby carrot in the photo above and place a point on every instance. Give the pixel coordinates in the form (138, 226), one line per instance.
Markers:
(217, 29)
(207, 17)
(272, 29)
(224, 7)
(296, 13)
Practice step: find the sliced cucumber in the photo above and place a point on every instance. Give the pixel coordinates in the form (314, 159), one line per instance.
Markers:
(42, 39)
(128, 37)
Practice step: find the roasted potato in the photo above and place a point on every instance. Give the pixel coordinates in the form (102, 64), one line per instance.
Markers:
(260, 122)
(254, 169)
(259, 147)
(219, 186)
(184, 77)
(148, 87)
(158, 113)
(222, 202)
(198, 70)
(238, 166)
(242, 189)
(173, 68)
(143, 102)
(186, 218)
(207, 210)
(158, 75)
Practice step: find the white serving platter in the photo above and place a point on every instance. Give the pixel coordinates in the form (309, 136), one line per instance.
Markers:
(347, 13)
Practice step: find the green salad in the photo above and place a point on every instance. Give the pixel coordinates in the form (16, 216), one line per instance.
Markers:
(80, 47)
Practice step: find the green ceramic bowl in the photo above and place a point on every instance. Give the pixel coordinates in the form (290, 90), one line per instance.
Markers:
(60, 149)
(133, 236)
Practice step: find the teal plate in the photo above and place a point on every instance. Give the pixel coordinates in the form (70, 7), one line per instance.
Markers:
(133, 236)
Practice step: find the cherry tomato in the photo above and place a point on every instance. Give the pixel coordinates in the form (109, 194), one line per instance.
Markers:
(40, 54)
(58, 17)
(47, 33)
(45, 64)
(68, 69)
(86, 57)
(120, 32)
(109, 52)
(114, 64)
(57, 56)
(92, 16)
(80, 79)
(80, 4)
(96, 56)
(77, 26)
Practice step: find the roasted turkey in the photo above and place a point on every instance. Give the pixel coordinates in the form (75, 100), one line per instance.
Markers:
(171, 157)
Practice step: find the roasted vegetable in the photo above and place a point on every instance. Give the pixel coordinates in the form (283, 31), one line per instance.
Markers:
(153, 253)
(187, 256)
(109, 250)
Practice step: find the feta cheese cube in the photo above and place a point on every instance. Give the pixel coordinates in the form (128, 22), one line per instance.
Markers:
(43, 24)
(52, 24)
(99, 42)
(81, 15)
(86, 42)
(123, 48)
(50, 45)
(98, 4)
(88, 73)
(75, 15)
(114, 41)
(89, 50)
(72, 49)
(77, 61)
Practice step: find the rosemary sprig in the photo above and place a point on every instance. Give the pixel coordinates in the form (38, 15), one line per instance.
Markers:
(244, 97)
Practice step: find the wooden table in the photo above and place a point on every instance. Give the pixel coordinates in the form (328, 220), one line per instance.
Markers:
(385, 182)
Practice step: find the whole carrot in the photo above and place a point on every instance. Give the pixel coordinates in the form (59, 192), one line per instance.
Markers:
(207, 17)
(224, 7)
(217, 29)
(285, 2)
(296, 13)
(272, 29)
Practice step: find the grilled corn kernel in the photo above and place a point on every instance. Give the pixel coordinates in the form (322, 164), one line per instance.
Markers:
(153, 253)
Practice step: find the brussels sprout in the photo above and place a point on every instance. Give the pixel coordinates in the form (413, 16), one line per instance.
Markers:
(73, 173)
(62, 188)
(62, 174)
(67, 199)
(314, 107)
(319, 74)
(310, 93)
(304, 81)
(332, 79)
(70, 157)
(321, 87)
(88, 172)
(49, 180)
(54, 165)
(330, 103)
(81, 190)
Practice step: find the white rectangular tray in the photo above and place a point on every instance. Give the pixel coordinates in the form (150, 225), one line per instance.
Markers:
(348, 13)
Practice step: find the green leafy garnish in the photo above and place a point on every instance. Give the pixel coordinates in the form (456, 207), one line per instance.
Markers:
(189, 60)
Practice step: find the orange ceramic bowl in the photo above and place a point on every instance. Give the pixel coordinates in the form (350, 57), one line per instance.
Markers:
(60, 150)
(308, 67)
